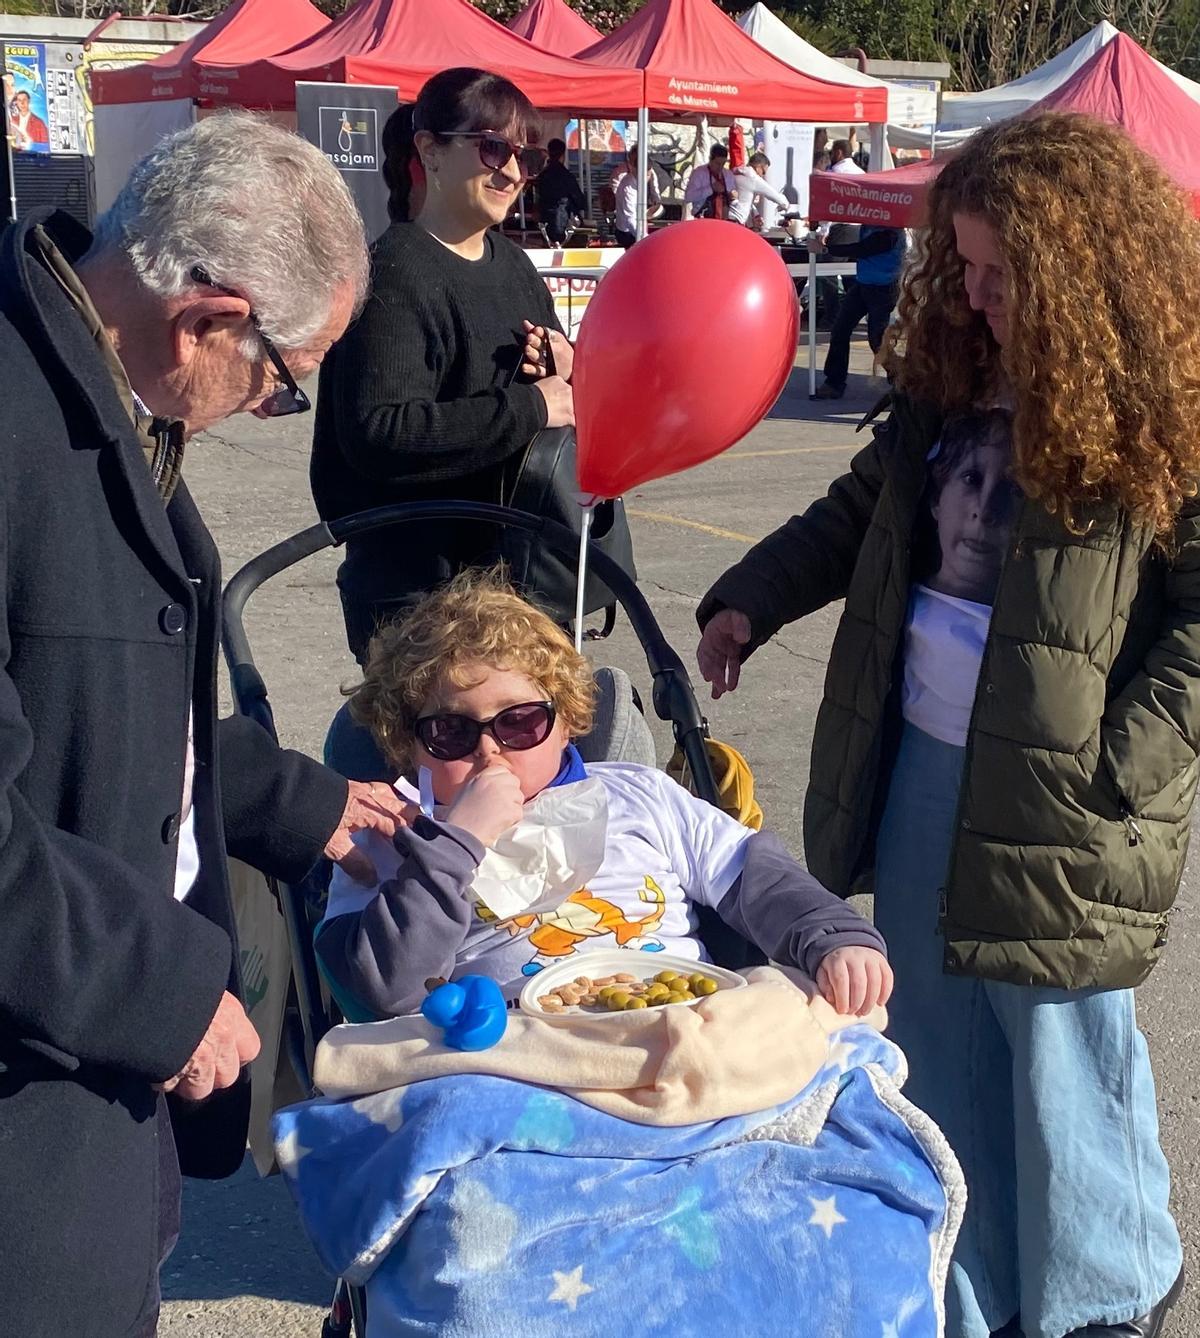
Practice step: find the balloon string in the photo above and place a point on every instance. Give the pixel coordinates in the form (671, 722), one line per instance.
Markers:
(585, 530)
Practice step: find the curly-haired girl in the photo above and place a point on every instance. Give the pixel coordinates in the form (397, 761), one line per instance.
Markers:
(1008, 742)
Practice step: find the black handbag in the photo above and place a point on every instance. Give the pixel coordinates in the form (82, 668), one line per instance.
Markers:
(544, 483)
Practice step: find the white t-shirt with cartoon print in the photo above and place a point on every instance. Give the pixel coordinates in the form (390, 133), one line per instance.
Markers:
(664, 849)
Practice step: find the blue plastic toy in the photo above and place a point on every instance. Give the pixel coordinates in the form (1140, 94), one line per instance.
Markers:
(470, 1011)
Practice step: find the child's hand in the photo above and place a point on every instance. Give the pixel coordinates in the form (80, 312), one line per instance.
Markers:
(854, 980)
(488, 805)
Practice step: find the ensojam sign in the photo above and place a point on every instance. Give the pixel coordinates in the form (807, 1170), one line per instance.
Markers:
(349, 137)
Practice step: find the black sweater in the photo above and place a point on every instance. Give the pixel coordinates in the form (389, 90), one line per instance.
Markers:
(415, 404)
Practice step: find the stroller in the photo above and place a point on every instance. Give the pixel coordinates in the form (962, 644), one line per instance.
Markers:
(307, 1017)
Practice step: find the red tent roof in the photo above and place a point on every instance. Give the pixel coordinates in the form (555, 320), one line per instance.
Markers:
(698, 61)
(247, 30)
(1120, 84)
(402, 43)
(1123, 84)
(554, 26)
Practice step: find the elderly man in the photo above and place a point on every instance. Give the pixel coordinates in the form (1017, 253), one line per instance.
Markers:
(230, 263)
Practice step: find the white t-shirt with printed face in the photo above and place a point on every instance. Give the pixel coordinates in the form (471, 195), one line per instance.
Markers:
(664, 850)
(943, 649)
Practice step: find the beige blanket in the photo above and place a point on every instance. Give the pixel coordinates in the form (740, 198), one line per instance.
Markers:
(736, 1052)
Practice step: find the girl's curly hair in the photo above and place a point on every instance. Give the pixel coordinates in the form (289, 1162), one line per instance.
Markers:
(1102, 358)
(477, 619)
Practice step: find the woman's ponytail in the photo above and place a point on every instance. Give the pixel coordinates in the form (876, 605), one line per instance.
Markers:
(402, 169)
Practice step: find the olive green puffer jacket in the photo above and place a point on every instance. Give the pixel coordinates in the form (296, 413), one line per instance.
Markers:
(1081, 758)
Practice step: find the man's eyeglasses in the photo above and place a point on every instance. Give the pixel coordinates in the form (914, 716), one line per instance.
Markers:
(288, 400)
(495, 151)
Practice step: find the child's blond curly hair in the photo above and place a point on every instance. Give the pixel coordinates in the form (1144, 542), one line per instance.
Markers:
(476, 619)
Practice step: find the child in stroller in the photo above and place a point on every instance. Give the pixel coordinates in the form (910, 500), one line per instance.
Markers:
(524, 856)
(747, 1165)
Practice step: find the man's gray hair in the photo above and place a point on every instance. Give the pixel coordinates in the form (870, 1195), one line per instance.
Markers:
(261, 210)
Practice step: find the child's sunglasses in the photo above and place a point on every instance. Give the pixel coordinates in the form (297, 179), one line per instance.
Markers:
(495, 151)
(449, 737)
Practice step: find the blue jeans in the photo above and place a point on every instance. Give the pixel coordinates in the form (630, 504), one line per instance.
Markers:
(1046, 1095)
(875, 302)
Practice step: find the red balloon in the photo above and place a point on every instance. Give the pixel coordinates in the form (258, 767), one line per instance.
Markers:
(684, 347)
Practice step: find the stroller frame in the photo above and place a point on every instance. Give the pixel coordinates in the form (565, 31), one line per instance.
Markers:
(306, 1019)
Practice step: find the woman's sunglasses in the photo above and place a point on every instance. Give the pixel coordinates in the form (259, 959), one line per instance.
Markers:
(289, 398)
(495, 151)
(449, 737)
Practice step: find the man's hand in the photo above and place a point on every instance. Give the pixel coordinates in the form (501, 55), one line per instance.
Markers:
(229, 1042)
(719, 653)
(488, 805)
(533, 359)
(373, 804)
(854, 980)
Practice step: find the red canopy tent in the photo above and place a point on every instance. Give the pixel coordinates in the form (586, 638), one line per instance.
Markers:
(1124, 85)
(402, 43)
(246, 31)
(1120, 84)
(698, 62)
(554, 26)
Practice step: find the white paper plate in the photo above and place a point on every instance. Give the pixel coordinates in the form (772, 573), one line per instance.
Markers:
(643, 965)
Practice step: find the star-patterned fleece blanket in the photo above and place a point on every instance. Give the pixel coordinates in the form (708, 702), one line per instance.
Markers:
(482, 1206)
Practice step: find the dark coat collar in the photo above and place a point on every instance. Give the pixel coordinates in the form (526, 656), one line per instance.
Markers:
(37, 305)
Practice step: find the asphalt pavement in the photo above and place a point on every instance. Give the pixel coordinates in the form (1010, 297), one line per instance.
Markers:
(243, 1268)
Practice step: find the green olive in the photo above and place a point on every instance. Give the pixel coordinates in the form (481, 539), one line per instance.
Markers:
(706, 986)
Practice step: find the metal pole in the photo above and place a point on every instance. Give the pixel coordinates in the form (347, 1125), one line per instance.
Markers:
(585, 164)
(812, 323)
(643, 168)
(12, 176)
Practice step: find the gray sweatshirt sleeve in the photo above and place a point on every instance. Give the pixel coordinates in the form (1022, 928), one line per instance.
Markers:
(381, 956)
(782, 909)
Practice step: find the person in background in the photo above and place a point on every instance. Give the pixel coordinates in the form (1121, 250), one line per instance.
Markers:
(709, 189)
(559, 195)
(751, 186)
(879, 257)
(1008, 746)
(625, 191)
(438, 388)
(841, 158)
(122, 1032)
(820, 146)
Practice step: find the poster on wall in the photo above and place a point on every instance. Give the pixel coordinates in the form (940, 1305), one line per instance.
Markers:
(64, 113)
(789, 145)
(25, 112)
(603, 137)
(345, 122)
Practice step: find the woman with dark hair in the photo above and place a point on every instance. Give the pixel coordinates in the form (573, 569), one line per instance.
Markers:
(440, 385)
(1007, 751)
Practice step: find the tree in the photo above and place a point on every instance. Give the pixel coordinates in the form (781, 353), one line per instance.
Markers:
(988, 42)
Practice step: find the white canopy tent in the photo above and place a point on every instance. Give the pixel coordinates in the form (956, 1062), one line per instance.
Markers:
(908, 106)
(971, 110)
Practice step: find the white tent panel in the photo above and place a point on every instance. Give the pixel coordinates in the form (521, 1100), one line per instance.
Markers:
(916, 106)
(124, 133)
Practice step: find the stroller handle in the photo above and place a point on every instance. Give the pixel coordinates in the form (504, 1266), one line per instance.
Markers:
(673, 696)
